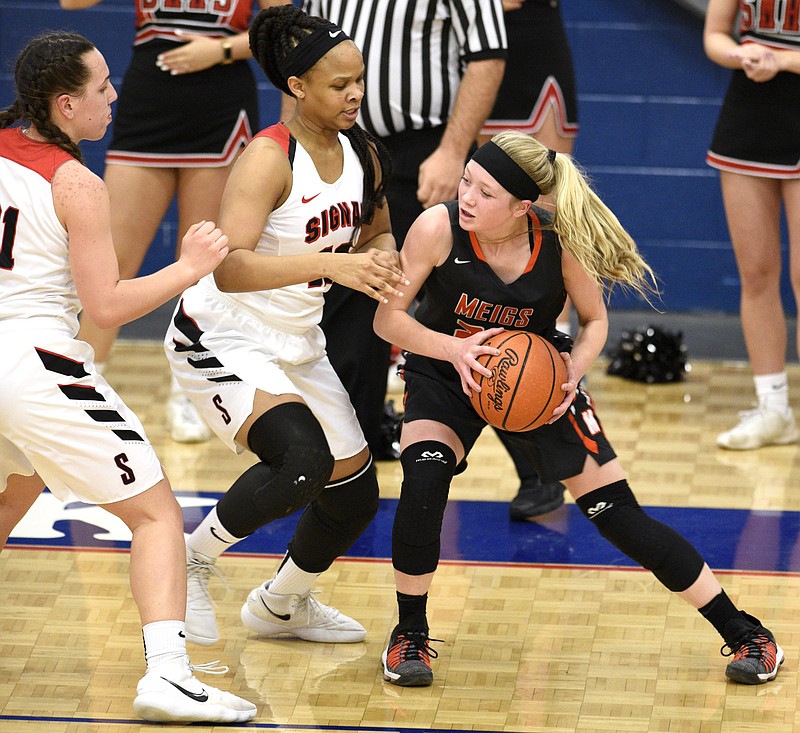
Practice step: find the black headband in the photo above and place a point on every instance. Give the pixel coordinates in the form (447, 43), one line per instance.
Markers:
(311, 49)
(505, 170)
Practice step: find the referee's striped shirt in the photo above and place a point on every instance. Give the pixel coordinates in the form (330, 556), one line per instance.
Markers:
(414, 53)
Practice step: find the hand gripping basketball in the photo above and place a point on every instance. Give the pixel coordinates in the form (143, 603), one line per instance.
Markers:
(525, 385)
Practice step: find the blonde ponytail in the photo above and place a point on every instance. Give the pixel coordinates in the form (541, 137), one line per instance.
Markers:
(586, 227)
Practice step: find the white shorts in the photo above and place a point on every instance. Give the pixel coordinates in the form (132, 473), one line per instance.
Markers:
(221, 353)
(61, 419)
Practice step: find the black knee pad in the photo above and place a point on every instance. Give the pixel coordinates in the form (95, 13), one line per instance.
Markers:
(613, 509)
(335, 520)
(428, 469)
(296, 465)
(286, 425)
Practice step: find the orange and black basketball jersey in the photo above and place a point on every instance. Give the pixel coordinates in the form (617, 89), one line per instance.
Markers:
(464, 295)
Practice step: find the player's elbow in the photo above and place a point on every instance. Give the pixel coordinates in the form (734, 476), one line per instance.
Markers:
(225, 274)
(379, 324)
(103, 316)
(223, 282)
(106, 321)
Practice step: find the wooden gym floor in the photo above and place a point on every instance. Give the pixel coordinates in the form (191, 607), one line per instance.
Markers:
(545, 627)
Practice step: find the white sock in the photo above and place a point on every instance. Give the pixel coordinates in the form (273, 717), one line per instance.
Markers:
(772, 391)
(211, 538)
(164, 641)
(174, 387)
(291, 579)
(99, 366)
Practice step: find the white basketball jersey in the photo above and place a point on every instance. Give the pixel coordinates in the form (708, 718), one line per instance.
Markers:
(316, 217)
(35, 277)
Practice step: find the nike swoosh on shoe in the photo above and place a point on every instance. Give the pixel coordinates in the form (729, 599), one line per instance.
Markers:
(280, 616)
(198, 696)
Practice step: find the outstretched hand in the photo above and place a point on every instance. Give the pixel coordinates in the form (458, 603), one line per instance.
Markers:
(374, 272)
(203, 247)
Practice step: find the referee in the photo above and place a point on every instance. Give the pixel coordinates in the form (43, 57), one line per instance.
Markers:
(433, 69)
(432, 72)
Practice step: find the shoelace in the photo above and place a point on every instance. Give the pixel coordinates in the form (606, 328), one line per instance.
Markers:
(315, 609)
(746, 416)
(210, 668)
(415, 646)
(755, 645)
(197, 592)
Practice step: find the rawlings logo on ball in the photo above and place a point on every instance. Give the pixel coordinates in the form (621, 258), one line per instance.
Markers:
(499, 380)
(525, 383)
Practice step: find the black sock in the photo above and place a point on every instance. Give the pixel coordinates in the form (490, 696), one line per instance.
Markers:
(412, 612)
(720, 612)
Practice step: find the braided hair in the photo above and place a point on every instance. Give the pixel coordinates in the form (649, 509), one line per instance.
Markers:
(50, 64)
(273, 33)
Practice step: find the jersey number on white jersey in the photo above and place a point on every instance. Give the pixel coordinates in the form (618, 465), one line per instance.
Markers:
(9, 220)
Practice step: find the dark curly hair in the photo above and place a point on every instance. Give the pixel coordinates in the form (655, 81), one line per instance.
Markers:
(50, 64)
(273, 33)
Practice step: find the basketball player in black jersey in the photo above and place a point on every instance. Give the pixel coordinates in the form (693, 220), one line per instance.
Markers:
(492, 261)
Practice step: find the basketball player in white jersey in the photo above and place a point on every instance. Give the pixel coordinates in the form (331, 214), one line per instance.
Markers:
(61, 424)
(305, 207)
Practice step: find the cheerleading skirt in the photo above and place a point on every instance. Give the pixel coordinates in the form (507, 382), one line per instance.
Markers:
(539, 73)
(758, 130)
(186, 120)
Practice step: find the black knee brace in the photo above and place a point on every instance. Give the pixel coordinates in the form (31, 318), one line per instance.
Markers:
(660, 549)
(296, 465)
(428, 469)
(335, 519)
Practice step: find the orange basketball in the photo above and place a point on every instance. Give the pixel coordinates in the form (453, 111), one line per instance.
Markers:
(525, 385)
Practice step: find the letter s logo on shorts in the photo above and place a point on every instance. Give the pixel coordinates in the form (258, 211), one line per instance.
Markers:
(217, 400)
(127, 476)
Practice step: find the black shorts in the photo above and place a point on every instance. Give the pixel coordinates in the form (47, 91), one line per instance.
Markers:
(189, 120)
(758, 130)
(539, 73)
(557, 451)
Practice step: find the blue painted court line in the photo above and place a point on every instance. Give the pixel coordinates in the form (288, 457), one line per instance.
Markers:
(481, 532)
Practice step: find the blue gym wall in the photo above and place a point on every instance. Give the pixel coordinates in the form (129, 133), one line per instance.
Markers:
(648, 102)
